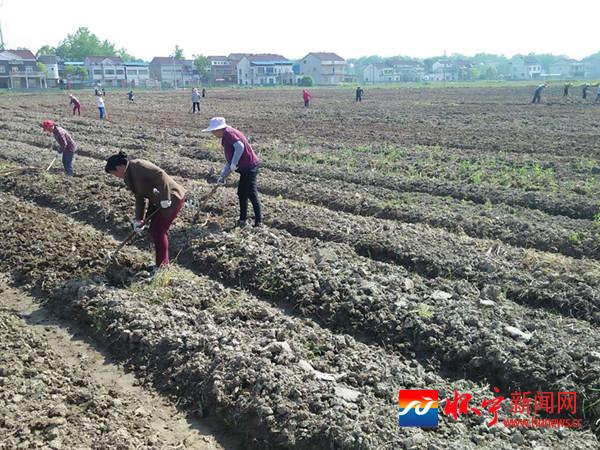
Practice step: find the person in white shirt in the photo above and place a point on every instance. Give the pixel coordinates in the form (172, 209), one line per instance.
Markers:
(101, 108)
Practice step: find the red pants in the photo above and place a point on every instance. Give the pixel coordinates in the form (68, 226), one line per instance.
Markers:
(159, 227)
(77, 108)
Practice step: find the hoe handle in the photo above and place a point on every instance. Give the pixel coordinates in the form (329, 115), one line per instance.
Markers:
(131, 235)
(204, 202)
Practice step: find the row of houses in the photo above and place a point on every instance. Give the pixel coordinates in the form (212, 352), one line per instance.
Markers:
(20, 69)
(325, 68)
(524, 68)
(454, 69)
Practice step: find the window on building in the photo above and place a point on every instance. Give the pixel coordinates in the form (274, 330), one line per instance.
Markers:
(2, 69)
(132, 72)
(119, 71)
(143, 71)
(97, 71)
(109, 72)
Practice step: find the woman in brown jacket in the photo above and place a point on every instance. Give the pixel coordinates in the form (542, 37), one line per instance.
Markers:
(148, 181)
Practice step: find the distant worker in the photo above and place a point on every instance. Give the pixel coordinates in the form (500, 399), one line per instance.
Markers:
(97, 90)
(537, 95)
(66, 145)
(131, 96)
(195, 100)
(76, 104)
(584, 91)
(203, 92)
(101, 106)
(359, 94)
(239, 157)
(148, 181)
(566, 89)
(306, 95)
(597, 94)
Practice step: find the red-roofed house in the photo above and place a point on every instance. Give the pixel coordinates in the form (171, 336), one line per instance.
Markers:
(324, 68)
(171, 71)
(265, 69)
(18, 70)
(107, 70)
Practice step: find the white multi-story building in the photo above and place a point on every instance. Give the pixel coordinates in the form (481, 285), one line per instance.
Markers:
(524, 68)
(51, 63)
(265, 70)
(324, 68)
(106, 70)
(137, 74)
(172, 71)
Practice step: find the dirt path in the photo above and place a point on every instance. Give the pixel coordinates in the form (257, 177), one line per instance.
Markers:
(60, 392)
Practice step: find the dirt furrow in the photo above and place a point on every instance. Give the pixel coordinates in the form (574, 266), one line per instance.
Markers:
(384, 303)
(541, 279)
(518, 226)
(59, 392)
(222, 352)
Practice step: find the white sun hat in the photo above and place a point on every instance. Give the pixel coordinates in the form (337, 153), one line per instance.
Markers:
(216, 123)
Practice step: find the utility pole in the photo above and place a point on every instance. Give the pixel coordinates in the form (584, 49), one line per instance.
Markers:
(1, 37)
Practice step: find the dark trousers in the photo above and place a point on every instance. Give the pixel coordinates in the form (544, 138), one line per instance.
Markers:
(77, 108)
(194, 105)
(536, 98)
(247, 191)
(67, 160)
(306, 103)
(359, 98)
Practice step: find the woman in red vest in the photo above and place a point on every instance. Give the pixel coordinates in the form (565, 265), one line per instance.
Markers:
(240, 157)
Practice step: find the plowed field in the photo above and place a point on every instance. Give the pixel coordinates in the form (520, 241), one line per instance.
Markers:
(442, 239)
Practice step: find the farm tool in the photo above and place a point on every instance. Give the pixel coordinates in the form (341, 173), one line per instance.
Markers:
(204, 203)
(51, 164)
(131, 235)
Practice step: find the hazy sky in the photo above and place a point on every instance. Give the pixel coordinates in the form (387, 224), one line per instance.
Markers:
(296, 27)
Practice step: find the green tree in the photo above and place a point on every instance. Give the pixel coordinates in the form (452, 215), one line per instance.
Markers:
(126, 56)
(45, 50)
(202, 65)
(76, 72)
(41, 67)
(489, 73)
(83, 43)
(177, 53)
(305, 81)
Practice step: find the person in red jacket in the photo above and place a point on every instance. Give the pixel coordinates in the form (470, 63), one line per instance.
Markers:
(240, 157)
(306, 95)
(76, 104)
(66, 145)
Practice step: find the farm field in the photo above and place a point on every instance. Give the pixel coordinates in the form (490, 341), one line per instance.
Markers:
(442, 239)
